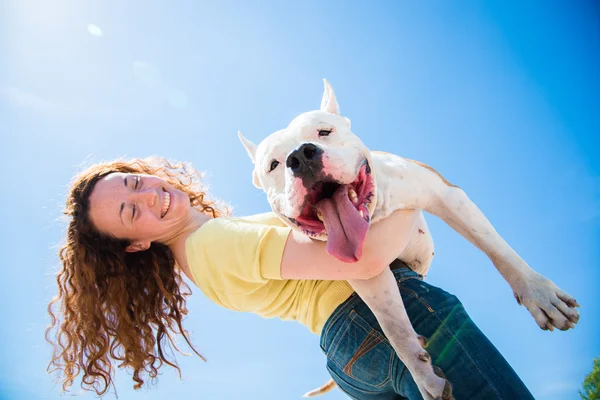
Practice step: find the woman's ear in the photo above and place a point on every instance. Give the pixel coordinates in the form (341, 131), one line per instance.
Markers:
(137, 246)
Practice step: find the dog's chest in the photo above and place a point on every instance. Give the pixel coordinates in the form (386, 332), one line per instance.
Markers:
(398, 188)
(397, 185)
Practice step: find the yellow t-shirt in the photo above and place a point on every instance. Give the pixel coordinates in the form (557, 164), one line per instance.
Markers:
(236, 262)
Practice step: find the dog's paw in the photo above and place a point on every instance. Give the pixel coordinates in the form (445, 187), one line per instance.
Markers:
(434, 385)
(430, 379)
(550, 306)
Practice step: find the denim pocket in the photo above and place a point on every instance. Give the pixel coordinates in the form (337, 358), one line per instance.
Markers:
(361, 352)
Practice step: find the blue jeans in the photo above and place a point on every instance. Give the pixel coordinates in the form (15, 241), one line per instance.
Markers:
(364, 365)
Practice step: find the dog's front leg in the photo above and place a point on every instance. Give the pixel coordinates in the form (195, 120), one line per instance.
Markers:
(382, 295)
(549, 305)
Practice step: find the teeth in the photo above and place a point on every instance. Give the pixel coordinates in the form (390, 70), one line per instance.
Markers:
(320, 215)
(362, 214)
(353, 196)
(166, 204)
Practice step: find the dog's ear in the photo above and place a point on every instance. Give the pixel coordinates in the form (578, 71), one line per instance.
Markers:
(255, 180)
(249, 146)
(329, 102)
(251, 149)
(348, 122)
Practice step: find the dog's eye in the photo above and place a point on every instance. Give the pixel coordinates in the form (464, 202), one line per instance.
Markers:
(274, 165)
(324, 132)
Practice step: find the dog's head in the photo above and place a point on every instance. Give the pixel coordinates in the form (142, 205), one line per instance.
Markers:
(318, 179)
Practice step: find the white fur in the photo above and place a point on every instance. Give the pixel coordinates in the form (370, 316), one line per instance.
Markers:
(400, 184)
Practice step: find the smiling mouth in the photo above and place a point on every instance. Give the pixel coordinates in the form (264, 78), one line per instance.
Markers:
(166, 203)
(359, 192)
(341, 212)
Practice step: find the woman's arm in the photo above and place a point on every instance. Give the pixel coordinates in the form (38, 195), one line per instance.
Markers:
(304, 258)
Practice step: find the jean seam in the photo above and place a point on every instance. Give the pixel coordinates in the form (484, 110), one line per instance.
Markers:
(417, 297)
(367, 345)
(332, 351)
(334, 318)
(373, 332)
(469, 357)
(349, 301)
(366, 392)
(331, 372)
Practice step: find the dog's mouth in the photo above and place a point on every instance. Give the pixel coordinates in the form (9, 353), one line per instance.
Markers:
(340, 211)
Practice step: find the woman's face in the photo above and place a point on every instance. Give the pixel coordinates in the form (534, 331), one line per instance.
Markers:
(139, 208)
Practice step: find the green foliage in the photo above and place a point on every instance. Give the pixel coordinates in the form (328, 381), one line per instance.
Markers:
(591, 384)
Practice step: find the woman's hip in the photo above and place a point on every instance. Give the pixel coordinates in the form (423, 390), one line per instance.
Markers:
(363, 363)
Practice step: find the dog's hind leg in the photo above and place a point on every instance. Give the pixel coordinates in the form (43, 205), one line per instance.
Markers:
(550, 306)
(382, 295)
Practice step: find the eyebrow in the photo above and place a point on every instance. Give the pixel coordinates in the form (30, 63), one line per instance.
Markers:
(123, 204)
(121, 213)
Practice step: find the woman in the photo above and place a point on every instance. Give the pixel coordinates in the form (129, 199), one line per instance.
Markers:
(136, 225)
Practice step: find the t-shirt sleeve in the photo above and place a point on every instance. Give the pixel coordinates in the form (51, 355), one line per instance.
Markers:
(235, 250)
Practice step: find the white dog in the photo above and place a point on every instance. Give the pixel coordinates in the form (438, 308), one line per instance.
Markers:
(316, 167)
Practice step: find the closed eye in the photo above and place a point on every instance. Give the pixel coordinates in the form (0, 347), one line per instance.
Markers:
(324, 132)
(135, 187)
(274, 165)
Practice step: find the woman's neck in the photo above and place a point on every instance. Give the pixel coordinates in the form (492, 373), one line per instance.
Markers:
(177, 244)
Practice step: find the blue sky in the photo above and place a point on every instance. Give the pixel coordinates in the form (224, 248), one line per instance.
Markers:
(501, 97)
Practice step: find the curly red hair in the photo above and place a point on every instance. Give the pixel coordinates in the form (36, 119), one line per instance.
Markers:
(114, 305)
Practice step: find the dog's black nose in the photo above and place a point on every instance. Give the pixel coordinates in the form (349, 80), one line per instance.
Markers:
(305, 159)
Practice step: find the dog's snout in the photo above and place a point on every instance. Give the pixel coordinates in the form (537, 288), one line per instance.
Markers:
(306, 158)
(309, 150)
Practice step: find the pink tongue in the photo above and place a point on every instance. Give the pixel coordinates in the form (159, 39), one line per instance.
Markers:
(346, 229)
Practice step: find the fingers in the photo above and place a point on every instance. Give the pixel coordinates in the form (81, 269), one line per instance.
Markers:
(447, 392)
(555, 315)
(541, 318)
(567, 298)
(557, 318)
(425, 395)
(571, 313)
(432, 386)
(551, 307)
(437, 386)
